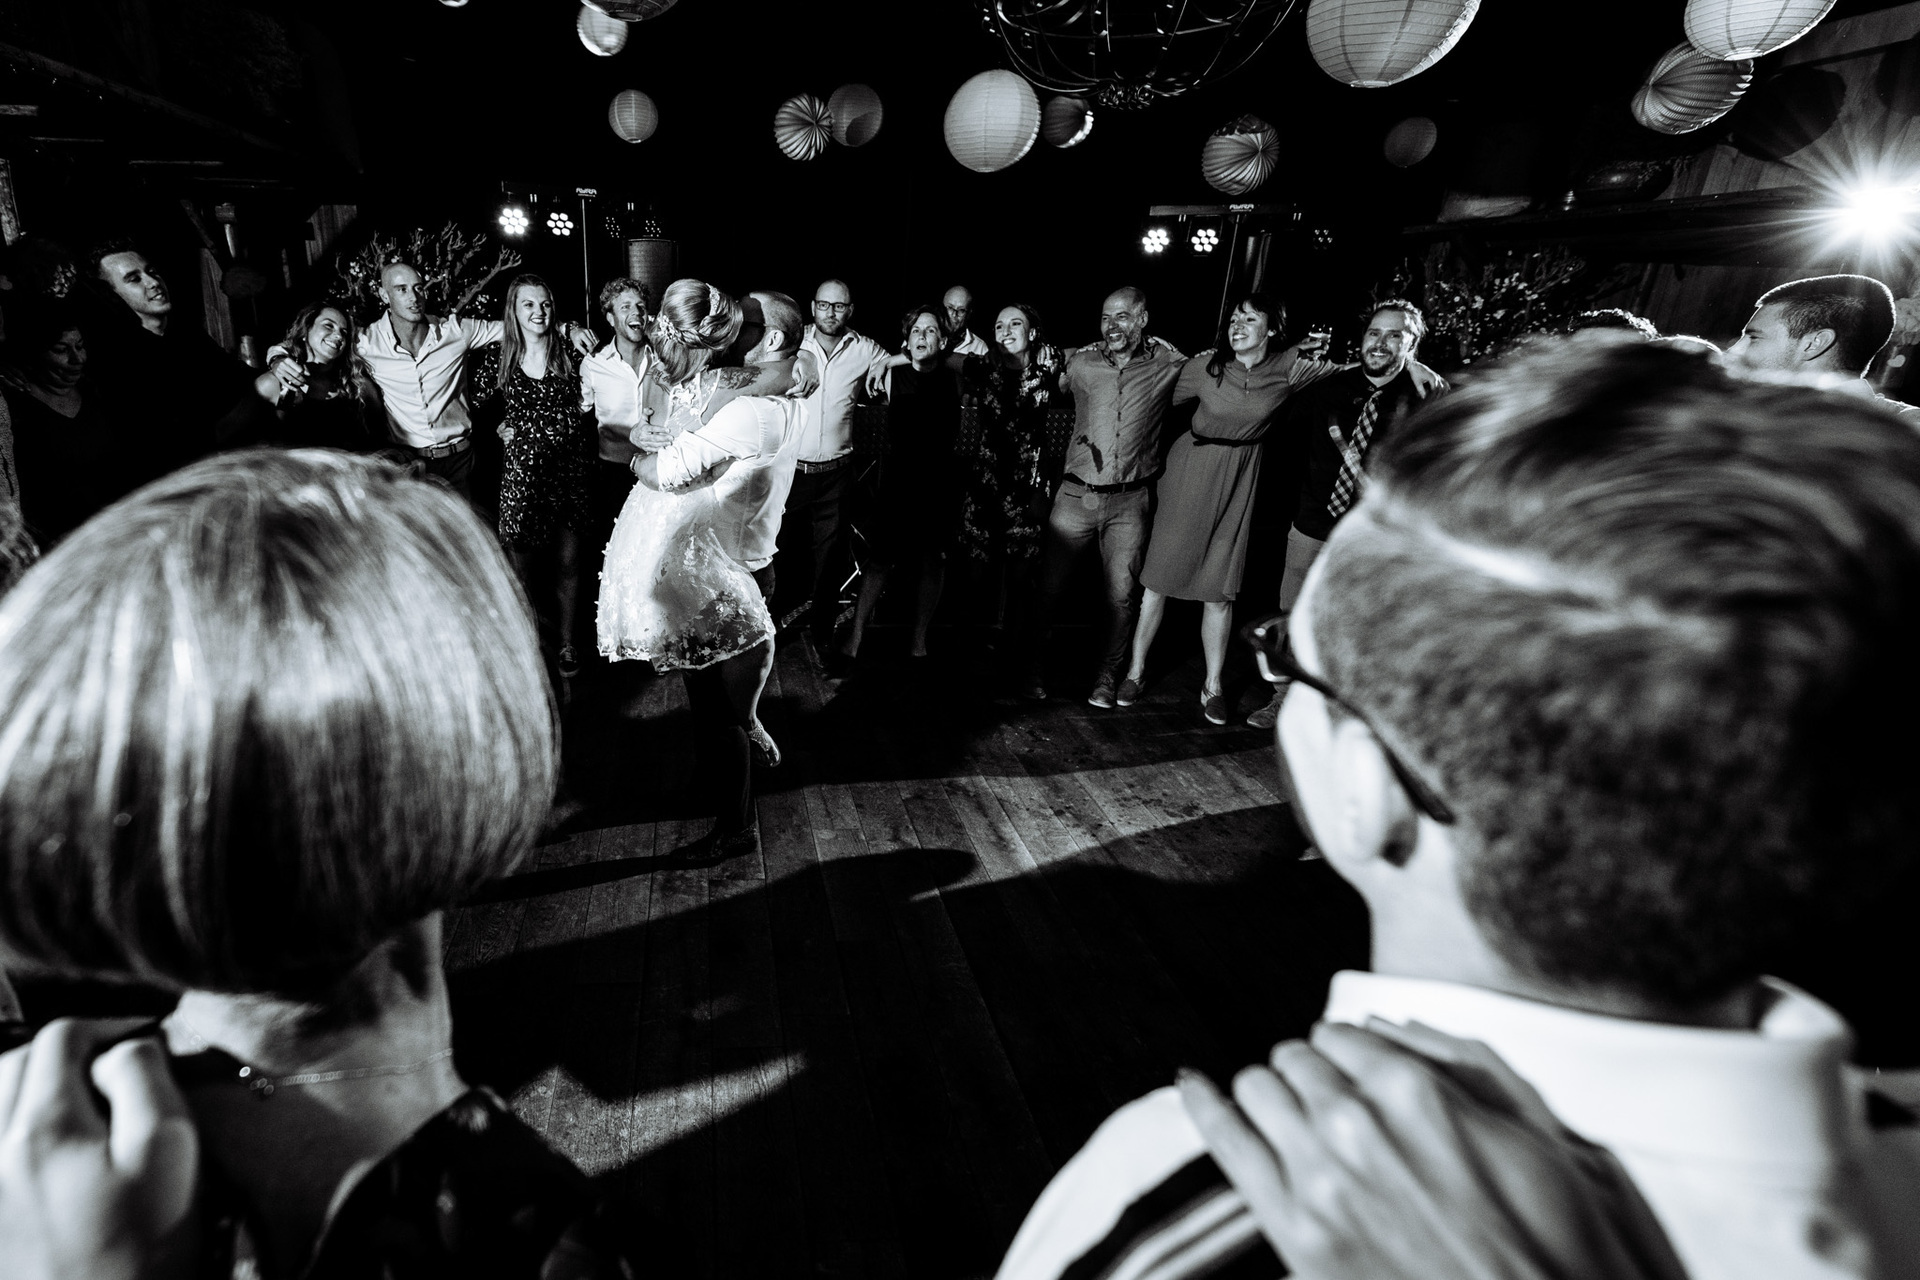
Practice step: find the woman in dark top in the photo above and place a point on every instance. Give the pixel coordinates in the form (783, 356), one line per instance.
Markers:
(70, 459)
(323, 395)
(920, 488)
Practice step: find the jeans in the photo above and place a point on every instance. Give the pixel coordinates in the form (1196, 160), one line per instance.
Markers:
(456, 469)
(1302, 551)
(1118, 524)
(814, 543)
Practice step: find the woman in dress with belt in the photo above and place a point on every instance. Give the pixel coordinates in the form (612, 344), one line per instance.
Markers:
(1205, 513)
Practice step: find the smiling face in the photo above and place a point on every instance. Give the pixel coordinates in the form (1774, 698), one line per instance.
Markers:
(923, 339)
(136, 283)
(1122, 321)
(1387, 345)
(327, 336)
(59, 367)
(1247, 329)
(401, 289)
(628, 316)
(533, 308)
(1012, 332)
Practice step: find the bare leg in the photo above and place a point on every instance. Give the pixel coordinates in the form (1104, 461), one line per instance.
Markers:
(933, 579)
(1153, 607)
(873, 584)
(1216, 621)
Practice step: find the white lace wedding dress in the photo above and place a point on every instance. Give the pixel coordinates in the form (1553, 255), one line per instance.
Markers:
(670, 594)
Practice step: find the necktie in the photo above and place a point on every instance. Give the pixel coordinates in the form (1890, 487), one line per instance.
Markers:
(1353, 456)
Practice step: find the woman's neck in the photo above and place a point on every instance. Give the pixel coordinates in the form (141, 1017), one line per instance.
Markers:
(1021, 359)
(1252, 355)
(922, 366)
(64, 401)
(534, 358)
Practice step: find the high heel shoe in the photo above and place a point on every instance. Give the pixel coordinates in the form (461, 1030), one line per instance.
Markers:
(765, 749)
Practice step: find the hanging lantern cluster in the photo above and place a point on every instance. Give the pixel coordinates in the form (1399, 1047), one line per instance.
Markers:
(1410, 142)
(804, 124)
(633, 115)
(602, 35)
(1370, 44)
(1240, 155)
(1732, 30)
(992, 121)
(1687, 90)
(1066, 121)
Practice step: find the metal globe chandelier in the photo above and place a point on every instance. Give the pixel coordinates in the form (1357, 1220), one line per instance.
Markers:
(1129, 53)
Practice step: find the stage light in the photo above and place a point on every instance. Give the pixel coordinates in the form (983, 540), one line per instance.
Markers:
(1156, 240)
(1879, 214)
(513, 221)
(559, 223)
(1204, 240)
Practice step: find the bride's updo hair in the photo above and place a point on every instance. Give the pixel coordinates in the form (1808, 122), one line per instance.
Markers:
(695, 322)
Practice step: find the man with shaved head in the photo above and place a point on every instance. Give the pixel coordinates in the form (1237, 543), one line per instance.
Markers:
(1121, 388)
(957, 308)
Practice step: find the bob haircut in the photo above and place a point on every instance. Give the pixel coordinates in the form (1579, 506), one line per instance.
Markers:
(258, 717)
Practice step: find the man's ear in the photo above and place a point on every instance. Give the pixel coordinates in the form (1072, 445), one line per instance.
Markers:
(1816, 343)
(1376, 822)
(773, 343)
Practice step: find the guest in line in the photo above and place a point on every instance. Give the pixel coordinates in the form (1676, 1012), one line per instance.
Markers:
(71, 459)
(1121, 388)
(1598, 699)
(323, 394)
(1832, 325)
(956, 314)
(284, 709)
(1340, 421)
(1204, 516)
(815, 537)
(919, 499)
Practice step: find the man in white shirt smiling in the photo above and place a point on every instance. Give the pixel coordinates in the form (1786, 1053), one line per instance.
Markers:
(1600, 700)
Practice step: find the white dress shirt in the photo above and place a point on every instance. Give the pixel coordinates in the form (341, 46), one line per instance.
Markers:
(970, 344)
(1751, 1147)
(612, 390)
(754, 438)
(828, 433)
(424, 391)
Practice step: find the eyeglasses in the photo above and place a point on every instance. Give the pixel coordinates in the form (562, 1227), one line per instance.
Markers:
(838, 308)
(1273, 653)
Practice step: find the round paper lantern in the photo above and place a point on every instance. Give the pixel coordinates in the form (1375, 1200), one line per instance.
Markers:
(1411, 141)
(1066, 121)
(633, 115)
(633, 10)
(856, 113)
(1735, 29)
(1373, 43)
(1240, 155)
(1687, 90)
(992, 121)
(601, 34)
(801, 126)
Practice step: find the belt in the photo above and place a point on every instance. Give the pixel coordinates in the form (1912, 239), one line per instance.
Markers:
(1230, 442)
(1128, 487)
(815, 468)
(459, 444)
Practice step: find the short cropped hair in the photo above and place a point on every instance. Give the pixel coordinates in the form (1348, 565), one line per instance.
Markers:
(612, 289)
(1613, 318)
(257, 718)
(779, 311)
(1859, 310)
(1416, 318)
(101, 250)
(1649, 628)
(912, 314)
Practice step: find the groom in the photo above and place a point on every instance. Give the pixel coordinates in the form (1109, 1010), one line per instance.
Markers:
(744, 449)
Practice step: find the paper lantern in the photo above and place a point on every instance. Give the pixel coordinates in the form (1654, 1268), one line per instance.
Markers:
(1240, 155)
(856, 113)
(1411, 141)
(802, 126)
(633, 115)
(1066, 121)
(1735, 29)
(992, 121)
(1687, 90)
(1373, 43)
(602, 35)
(633, 10)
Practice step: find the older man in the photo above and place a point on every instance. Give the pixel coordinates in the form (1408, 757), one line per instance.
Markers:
(957, 310)
(1121, 388)
(1833, 325)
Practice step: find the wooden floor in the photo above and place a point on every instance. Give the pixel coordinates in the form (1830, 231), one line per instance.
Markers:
(976, 927)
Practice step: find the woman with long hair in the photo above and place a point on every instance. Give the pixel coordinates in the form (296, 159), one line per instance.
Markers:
(323, 395)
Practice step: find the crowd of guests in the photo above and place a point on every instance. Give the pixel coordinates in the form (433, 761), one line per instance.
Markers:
(1591, 676)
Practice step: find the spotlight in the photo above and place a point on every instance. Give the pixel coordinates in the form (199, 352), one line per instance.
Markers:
(1205, 240)
(1156, 240)
(513, 221)
(559, 223)
(1878, 214)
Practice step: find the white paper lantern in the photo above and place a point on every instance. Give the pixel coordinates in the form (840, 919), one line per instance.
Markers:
(633, 115)
(1066, 121)
(802, 126)
(992, 121)
(602, 35)
(1240, 155)
(1735, 29)
(632, 10)
(1410, 141)
(1687, 90)
(856, 113)
(1373, 43)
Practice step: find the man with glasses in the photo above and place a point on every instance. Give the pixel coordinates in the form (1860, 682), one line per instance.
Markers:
(814, 537)
(1599, 698)
(957, 338)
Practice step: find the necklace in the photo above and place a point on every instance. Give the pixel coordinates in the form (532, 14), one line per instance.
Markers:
(265, 1086)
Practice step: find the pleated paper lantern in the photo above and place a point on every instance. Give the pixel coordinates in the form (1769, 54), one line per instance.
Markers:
(1373, 43)
(633, 10)
(1411, 141)
(1735, 29)
(1066, 121)
(802, 126)
(601, 34)
(1240, 155)
(1687, 90)
(856, 113)
(992, 121)
(633, 115)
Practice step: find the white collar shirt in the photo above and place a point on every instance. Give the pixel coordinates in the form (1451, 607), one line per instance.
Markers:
(1751, 1147)
(424, 391)
(753, 438)
(970, 344)
(828, 433)
(612, 390)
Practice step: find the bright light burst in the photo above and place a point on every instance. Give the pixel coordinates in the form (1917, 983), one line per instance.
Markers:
(1205, 240)
(1878, 214)
(559, 223)
(513, 221)
(1156, 240)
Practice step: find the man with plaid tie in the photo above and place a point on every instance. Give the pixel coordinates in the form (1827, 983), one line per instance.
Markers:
(1341, 418)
